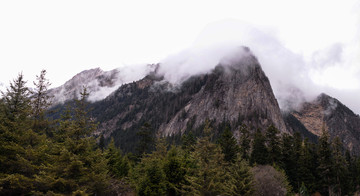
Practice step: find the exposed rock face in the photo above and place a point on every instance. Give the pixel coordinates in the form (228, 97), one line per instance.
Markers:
(327, 112)
(239, 93)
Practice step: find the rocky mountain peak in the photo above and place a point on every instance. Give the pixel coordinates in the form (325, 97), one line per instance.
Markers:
(326, 112)
(236, 90)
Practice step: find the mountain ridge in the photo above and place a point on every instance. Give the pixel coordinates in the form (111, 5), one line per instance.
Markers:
(236, 91)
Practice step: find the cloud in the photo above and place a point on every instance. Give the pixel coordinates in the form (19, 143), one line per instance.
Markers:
(294, 77)
(123, 75)
(99, 83)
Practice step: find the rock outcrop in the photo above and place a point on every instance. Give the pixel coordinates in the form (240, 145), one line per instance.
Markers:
(330, 114)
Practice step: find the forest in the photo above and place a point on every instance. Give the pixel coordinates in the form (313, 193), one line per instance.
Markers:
(44, 156)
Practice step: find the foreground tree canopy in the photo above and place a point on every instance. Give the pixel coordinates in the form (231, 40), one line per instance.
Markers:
(43, 156)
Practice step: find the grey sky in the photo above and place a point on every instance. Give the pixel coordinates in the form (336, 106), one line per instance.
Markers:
(319, 40)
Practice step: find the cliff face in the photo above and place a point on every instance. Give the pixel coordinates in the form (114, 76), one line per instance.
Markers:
(329, 113)
(238, 92)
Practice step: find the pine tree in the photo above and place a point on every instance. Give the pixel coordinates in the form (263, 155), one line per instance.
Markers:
(40, 102)
(188, 142)
(146, 140)
(117, 164)
(77, 164)
(259, 154)
(175, 171)
(149, 176)
(243, 180)
(21, 153)
(210, 177)
(273, 141)
(325, 167)
(229, 145)
(245, 142)
(17, 105)
(339, 166)
(306, 167)
(102, 142)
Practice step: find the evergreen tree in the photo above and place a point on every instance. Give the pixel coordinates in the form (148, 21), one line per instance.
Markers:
(118, 165)
(154, 182)
(188, 142)
(259, 154)
(17, 106)
(145, 140)
(306, 168)
(149, 176)
(40, 102)
(273, 141)
(244, 142)
(325, 167)
(210, 177)
(229, 145)
(340, 169)
(243, 180)
(175, 171)
(102, 142)
(77, 164)
(20, 157)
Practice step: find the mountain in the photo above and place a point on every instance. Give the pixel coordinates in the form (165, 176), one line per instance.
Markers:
(95, 81)
(98, 82)
(329, 113)
(236, 93)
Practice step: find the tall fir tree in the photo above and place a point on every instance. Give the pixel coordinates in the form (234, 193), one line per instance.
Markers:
(243, 179)
(228, 145)
(306, 167)
(210, 177)
(21, 155)
(259, 154)
(175, 171)
(273, 143)
(146, 140)
(340, 169)
(245, 142)
(325, 167)
(40, 103)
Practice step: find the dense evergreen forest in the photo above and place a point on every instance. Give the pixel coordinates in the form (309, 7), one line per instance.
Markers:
(43, 156)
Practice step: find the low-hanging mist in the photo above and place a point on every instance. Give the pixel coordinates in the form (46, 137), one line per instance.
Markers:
(294, 78)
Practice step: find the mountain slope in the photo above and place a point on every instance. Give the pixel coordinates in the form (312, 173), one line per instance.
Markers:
(238, 92)
(331, 114)
(95, 80)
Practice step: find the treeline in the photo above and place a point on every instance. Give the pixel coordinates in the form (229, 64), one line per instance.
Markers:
(41, 156)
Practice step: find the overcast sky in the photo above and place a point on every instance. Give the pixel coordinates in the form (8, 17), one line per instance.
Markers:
(66, 37)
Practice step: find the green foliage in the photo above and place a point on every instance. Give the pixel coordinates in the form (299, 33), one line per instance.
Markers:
(188, 142)
(210, 176)
(243, 180)
(229, 145)
(175, 171)
(40, 103)
(146, 140)
(325, 167)
(245, 142)
(259, 154)
(118, 165)
(273, 141)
